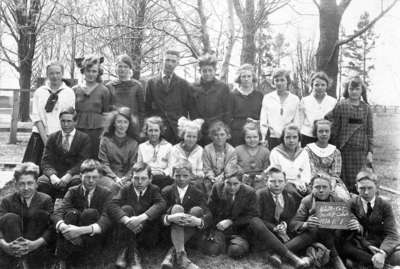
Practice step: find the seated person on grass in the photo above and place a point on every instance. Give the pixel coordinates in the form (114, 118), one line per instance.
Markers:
(305, 224)
(137, 209)
(64, 152)
(81, 218)
(187, 215)
(234, 207)
(376, 242)
(25, 228)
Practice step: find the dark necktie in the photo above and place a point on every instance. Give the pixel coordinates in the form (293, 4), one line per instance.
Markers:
(140, 196)
(369, 209)
(86, 197)
(65, 143)
(166, 81)
(278, 208)
(51, 101)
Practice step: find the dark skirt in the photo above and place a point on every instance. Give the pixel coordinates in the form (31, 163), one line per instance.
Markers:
(353, 160)
(34, 149)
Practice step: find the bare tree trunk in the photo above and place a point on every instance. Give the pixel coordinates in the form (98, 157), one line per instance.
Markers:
(136, 46)
(230, 44)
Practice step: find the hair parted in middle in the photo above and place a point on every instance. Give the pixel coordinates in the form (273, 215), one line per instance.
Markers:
(246, 67)
(322, 76)
(133, 129)
(353, 82)
(282, 73)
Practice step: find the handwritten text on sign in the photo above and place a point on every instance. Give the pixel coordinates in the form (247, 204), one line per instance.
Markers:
(332, 215)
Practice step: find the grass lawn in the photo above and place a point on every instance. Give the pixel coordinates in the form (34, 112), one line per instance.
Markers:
(386, 164)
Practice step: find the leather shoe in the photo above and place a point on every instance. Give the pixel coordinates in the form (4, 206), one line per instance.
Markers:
(275, 261)
(183, 262)
(121, 259)
(168, 262)
(135, 261)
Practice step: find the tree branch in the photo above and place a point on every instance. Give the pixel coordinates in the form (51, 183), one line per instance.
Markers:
(316, 3)
(239, 10)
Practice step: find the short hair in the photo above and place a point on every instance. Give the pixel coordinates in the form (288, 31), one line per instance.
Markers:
(218, 125)
(208, 59)
(353, 82)
(321, 75)
(126, 59)
(157, 121)
(291, 127)
(183, 164)
(246, 67)
(90, 61)
(367, 174)
(140, 167)
(274, 169)
(173, 52)
(133, 128)
(26, 168)
(90, 165)
(55, 63)
(251, 126)
(282, 73)
(70, 111)
(235, 173)
(320, 122)
(321, 175)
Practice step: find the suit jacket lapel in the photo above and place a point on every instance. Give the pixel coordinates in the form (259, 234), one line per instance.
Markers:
(186, 197)
(176, 195)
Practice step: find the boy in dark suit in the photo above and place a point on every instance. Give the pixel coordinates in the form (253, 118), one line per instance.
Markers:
(305, 224)
(235, 210)
(277, 208)
(64, 152)
(137, 208)
(187, 215)
(25, 229)
(376, 241)
(81, 218)
(169, 96)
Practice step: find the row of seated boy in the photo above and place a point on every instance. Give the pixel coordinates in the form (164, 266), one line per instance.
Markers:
(234, 218)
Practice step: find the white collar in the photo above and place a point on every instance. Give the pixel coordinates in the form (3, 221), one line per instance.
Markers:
(182, 190)
(245, 93)
(138, 192)
(71, 134)
(365, 202)
(90, 192)
(47, 86)
(322, 152)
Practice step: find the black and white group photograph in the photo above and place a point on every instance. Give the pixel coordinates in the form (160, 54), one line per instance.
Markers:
(199, 134)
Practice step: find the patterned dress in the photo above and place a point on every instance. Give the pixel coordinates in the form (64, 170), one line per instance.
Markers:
(352, 133)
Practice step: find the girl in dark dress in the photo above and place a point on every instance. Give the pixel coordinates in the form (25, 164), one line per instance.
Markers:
(126, 91)
(92, 101)
(245, 103)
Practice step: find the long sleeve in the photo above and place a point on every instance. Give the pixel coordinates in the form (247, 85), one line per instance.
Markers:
(84, 153)
(48, 206)
(35, 115)
(335, 117)
(302, 214)
(261, 201)
(106, 100)
(250, 212)
(141, 105)
(207, 163)
(158, 207)
(103, 157)
(301, 113)
(391, 237)
(66, 205)
(104, 221)
(264, 119)
(227, 105)
(370, 130)
(336, 168)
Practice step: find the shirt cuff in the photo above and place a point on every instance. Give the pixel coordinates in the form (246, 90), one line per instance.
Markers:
(201, 226)
(96, 229)
(59, 224)
(165, 221)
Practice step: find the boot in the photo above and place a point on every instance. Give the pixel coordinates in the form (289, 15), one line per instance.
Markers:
(183, 262)
(299, 263)
(275, 261)
(337, 263)
(121, 259)
(169, 260)
(134, 260)
(62, 264)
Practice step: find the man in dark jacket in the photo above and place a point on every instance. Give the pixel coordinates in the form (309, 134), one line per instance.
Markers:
(137, 209)
(169, 96)
(376, 241)
(64, 152)
(187, 215)
(25, 229)
(81, 219)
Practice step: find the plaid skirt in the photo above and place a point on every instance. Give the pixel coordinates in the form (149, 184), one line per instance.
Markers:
(353, 160)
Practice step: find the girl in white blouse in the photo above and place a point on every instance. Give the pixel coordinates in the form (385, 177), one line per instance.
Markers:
(188, 149)
(315, 106)
(156, 151)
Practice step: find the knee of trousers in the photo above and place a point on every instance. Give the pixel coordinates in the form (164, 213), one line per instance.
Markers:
(197, 211)
(72, 216)
(44, 184)
(177, 209)
(128, 210)
(9, 219)
(238, 247)
(394, 258)
(256, 224)
(89, 216)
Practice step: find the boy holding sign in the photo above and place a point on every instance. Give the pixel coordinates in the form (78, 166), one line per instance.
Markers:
(307, 225)
(377, 240)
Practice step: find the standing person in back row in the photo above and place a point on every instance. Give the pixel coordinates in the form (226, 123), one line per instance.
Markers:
(169, 96)
(47, 103)
(352, 131)
(279, 108)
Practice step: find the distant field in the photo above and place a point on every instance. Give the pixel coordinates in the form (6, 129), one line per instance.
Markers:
(386, 164)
